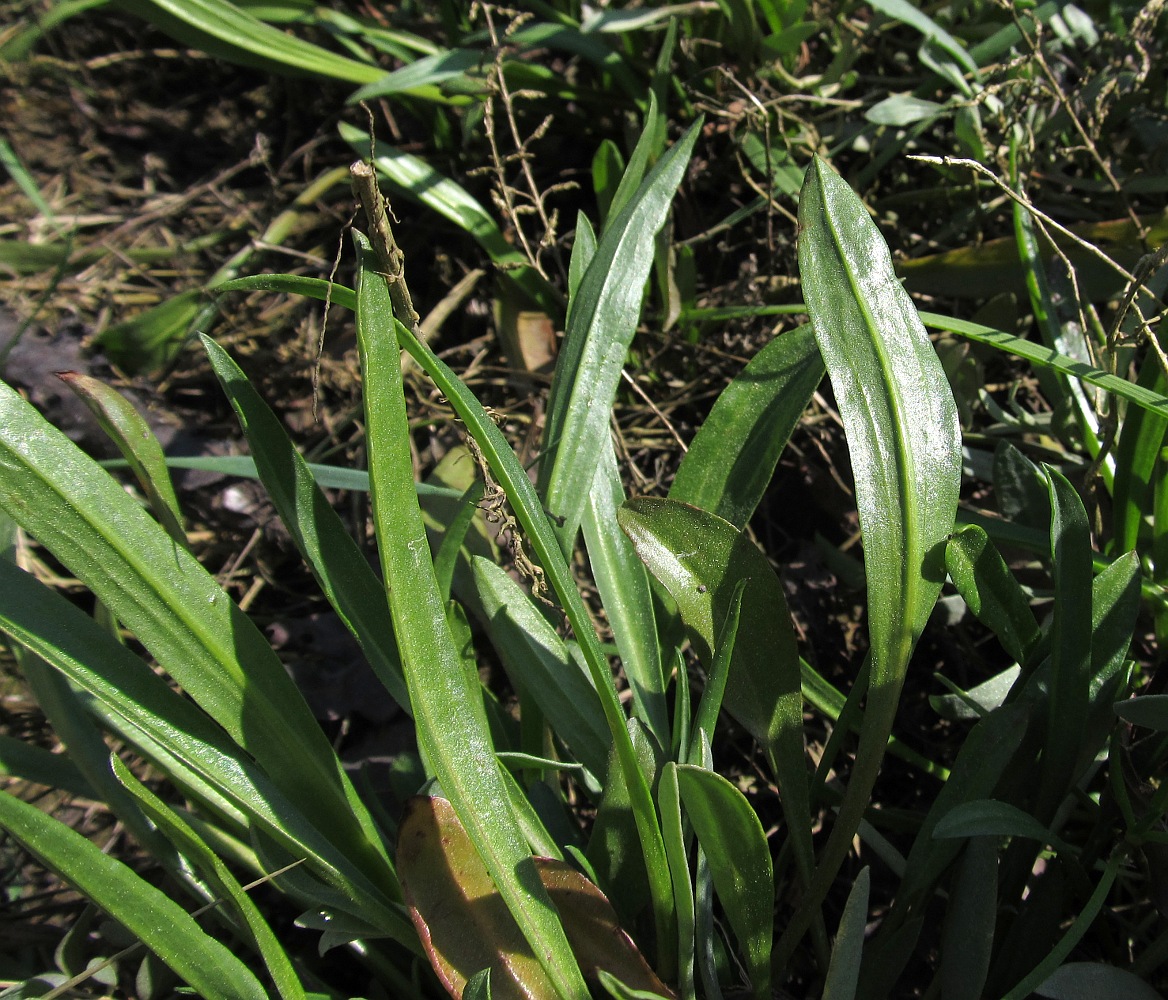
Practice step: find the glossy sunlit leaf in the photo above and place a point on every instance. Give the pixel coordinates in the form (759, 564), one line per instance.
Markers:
(733, 456)
(127, 428)
(601, 322)
(533, 519)
(623, 585)
(339, 565)
(140, 707)
(146, 912)
(464, 923)
(538, 662)
(740, 864)
(223, 30)
(905, 446)
(701, 560)
(216, 873)
(993, 595)
(450, 729)
(178, 611)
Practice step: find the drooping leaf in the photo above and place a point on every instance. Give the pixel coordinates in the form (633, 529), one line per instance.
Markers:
(466, 927)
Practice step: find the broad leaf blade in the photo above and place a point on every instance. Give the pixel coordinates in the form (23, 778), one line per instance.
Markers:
(733, 456)
(905, 445)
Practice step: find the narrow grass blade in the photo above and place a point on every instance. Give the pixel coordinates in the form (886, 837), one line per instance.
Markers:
(623, 585)
(968, 937)
(126, 427)
(539, 662)
(219, 877)
(146, 912)
(905, 445)
(733, 456)
(1074, 934)
(530, 514)
(669, 800)
(710, 704)
(142, 709)
(225, 31)
(1070, 668)
(1136, 452)
(1046, 357)
(601, 323)
(458, 749)
(417, 179)
(340, 567)
(740, 864)
(843, 975)
(177, 610)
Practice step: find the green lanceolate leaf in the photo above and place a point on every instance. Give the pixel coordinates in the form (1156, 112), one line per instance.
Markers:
(733, 456)
(843, 975)
(905, 445)
(126, 427)
(330, 551)
(623, 584)
(224, 30)
(177, 610)
(740, 864)
(450, 730)
(1070, 666)
(602, 319)
(146, 912)
(701, 559)
(989, 588)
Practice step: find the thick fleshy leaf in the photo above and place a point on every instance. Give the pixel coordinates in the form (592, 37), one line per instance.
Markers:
(465, 926)
(733, 456)
(601, 322)
(740, 864)
(146, 912)
(451, 730)
(905, 445)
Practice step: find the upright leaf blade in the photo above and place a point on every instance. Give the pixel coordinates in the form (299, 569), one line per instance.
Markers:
(601, 322)
(450, 731)
(905, 445)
